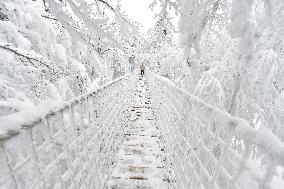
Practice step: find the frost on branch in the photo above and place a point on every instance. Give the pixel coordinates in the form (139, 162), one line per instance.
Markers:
(44, 44)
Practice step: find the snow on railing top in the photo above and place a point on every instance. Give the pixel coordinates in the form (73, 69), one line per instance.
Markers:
(264, 138)
(72, 144)
(218, 149)
(10, 125)
(67, 145)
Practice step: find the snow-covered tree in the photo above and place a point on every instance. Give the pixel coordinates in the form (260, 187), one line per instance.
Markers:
(234, 50)
(59, 49)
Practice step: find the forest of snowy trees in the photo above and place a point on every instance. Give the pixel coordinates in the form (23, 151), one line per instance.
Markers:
(227, 52)
(225, 57)
(60, 49)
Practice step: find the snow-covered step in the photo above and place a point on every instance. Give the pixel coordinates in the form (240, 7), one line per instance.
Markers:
(140, 161)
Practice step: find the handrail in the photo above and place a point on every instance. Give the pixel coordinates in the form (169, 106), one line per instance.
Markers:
(194, 128)
(70, 145)
(241, 127)
(74, 144)
(12, 124)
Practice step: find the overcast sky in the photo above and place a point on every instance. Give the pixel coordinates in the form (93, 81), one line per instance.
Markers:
(138, 10)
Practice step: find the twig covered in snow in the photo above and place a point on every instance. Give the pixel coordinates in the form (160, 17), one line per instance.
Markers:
(107, 4)
(20, 52)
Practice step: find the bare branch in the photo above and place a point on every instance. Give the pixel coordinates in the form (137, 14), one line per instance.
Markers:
(107, 4)
(30, 58)
(48, 17)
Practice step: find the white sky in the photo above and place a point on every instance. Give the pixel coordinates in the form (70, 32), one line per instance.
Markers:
(138, 10)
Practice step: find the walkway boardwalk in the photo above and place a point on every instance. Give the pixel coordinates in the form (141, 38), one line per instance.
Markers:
(110, 138)
(141, 157)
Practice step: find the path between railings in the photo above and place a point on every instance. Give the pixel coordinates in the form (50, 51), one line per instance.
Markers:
(141, 159)
(77, 144)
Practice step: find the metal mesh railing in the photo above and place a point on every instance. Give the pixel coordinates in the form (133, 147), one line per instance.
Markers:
(73, 147)
(207, 147)
(76, 145)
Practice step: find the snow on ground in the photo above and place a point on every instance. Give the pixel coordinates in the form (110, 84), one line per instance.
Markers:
(141, 157)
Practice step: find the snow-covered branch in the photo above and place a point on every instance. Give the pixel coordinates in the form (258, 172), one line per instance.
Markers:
(38, 58)
(106, 3)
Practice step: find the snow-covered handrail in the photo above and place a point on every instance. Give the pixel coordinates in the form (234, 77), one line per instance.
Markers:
(208, 147)
(71, 145)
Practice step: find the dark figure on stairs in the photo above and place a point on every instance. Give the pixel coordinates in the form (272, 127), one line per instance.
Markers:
(142, 68)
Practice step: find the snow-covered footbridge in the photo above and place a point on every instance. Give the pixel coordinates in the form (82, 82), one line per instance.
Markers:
(136, 132)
